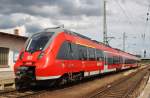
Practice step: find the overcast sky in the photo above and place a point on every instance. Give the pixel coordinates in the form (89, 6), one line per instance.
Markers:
(83, 16)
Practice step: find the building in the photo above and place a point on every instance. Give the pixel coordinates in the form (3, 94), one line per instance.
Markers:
(10, 45)
(19, 30)
(145, 60)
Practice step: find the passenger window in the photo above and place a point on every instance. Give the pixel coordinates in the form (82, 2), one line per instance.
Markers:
(110, 60)
(121, 60)
(74, 51)
(91, 54)
(82, 52)
(99, 55)
(116, 60)
(64, 51)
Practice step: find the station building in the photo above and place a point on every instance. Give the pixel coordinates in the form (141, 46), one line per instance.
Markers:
(10, 45)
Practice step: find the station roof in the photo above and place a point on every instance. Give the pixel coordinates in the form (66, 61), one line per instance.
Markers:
(13, 35)
(146, 58)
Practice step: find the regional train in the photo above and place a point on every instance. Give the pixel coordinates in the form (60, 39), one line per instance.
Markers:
(57, 55)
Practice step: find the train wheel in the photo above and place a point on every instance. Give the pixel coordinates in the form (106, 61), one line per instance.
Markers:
(63, 80)
(18, 85)
(118, 69)
(21, 85)
(81, 76)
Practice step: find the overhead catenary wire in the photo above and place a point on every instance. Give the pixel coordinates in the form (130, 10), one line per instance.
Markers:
(147, 19)
(123, 10)
(146, 24)
(143, 35)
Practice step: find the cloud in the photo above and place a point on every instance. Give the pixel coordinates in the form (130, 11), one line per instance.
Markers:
(83, 16)
(44, 13)
(48, 8)
(32, 23)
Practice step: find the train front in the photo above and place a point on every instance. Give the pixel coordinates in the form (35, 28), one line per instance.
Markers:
(33, 60)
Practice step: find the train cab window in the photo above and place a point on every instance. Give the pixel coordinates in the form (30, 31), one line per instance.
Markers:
(99, 55)
(64, 51)
(38, 41)
(82, 52)
(91, 54)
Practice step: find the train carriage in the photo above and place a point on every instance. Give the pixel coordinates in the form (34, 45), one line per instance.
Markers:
(61, 55)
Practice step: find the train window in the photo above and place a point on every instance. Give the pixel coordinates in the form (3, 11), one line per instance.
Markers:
(124, 60)
(74, 50)
(128, 61)
(38, 41)
(131, 61)
(110, 60)
(91, 54)
(64, 51)
(99, 55)
(121, 59)
(82, 52)
(116, 60)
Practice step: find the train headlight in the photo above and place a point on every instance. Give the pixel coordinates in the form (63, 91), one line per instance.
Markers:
(21, 56)
(41, 55)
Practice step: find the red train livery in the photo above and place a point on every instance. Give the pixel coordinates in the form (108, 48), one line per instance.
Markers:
(61, 55)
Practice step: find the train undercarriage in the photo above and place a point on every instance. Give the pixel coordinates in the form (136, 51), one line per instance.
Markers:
(26, 79)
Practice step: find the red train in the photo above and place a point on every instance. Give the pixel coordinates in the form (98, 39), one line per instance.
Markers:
(60, 55)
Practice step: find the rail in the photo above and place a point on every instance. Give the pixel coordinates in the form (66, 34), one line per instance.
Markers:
(122, 88)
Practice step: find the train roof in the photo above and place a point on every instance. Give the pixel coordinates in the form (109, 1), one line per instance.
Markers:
(60, 29)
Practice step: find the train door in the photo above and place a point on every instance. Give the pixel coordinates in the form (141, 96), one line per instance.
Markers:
(100, 60)
(78, 59)
(72, 62)
(64, 57)
(105, 62)
(75, 63)
(92, 64)
(82, 53)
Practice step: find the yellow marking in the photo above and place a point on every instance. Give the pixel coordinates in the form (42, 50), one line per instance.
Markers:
(85, 45)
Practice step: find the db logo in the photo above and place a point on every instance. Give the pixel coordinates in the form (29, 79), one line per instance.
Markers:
(29, 58)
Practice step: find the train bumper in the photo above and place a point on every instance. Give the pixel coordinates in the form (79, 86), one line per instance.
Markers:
(47, 77)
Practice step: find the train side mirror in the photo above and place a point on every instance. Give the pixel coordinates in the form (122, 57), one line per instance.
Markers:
(15, 56)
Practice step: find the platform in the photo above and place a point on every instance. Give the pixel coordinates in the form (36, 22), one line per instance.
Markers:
(146, 91)
(6, 79)
(6, 75)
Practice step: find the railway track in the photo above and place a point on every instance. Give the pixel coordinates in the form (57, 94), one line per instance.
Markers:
(6, 91)
(38, 93)
(16, 94)
(34, 92)
(122, 88)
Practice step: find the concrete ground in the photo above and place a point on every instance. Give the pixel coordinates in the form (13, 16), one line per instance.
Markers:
(6, 80)
(6, 75)
(146, 91)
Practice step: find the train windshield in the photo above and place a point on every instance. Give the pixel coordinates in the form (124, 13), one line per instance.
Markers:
(38, 41)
